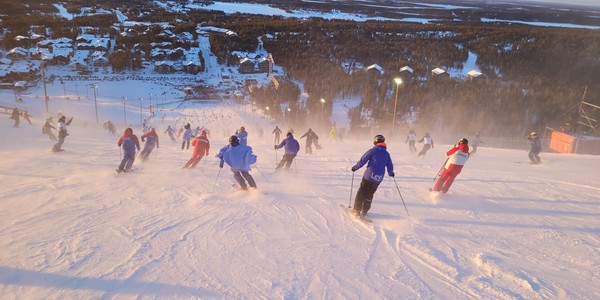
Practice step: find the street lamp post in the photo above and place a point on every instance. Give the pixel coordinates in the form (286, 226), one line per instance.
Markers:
(124, 111)
(44, 80)
(322, 112)
(95, 86)
(398, 82)
(141, 118)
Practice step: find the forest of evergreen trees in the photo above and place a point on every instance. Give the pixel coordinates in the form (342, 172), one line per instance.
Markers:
(534, 74)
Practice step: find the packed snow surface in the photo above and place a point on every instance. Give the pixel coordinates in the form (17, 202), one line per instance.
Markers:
(72, 228)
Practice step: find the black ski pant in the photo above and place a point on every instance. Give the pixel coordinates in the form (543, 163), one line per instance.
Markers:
(240, 176)
(424, 150)
(364, 196)
(534, 157)
(185, 144)
(286, 160)
(308, 148)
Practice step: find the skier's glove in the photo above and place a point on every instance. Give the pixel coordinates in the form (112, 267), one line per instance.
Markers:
(354, 169)
(391, 174)
(221, 163)
(275, 147)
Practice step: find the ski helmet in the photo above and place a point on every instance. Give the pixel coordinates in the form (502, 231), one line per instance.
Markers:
(533, 133)
(234, 139)
(463, 141)
(378, 139)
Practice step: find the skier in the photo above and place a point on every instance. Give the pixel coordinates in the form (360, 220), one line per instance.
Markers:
(47, 129)
(411, 138)
(291, 147)
(26, 117)
(332, 134)
(62, 133)
(242, 135)
(277, 133)
(457, 157)
(239, 157)
(197, 130)
(130, 142)
(15, 116)
(536, 148)
(144, 126)
(187, 136)
(261, 132)
(201, 146)
(151, 139)
(311, 137)
(428, 143)
(170, 131)
(378, 160)
(111, 128)
(476, 141)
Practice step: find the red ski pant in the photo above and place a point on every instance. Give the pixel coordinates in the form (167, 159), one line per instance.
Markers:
(447, 178)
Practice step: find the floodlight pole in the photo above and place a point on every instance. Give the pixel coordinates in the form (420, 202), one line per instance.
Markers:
(398, 82)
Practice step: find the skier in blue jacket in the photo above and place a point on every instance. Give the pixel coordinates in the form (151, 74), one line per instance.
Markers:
(291, 147)
(129, 143)
(239, 157)
(242, 135)
(378, 160)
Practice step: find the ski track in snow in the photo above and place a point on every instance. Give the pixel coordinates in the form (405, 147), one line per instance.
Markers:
(74, 228)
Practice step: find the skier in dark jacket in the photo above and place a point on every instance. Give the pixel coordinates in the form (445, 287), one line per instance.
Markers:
(62, 133)
(129, 142)
(311, 137)
(239, 157)
(15, 116)
(291, 146)
(378, 160)
(536, 148)
(277, 133)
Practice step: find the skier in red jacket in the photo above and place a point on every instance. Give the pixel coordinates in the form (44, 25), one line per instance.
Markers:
(201, 147)
(457, 157)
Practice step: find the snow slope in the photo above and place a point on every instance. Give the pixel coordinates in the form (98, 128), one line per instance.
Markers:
(72, 228)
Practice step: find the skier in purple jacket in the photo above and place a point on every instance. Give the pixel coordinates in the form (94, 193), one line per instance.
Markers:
(378, 160)
(291, 147)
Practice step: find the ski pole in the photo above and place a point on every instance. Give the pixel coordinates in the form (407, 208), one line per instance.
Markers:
(351, 187)
(401, 196)
(296, 165)
(214, 185)
(276, 160)
(257, 169)
(440, 171)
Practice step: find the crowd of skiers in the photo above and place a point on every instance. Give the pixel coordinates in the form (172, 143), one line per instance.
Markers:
(240, 157)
